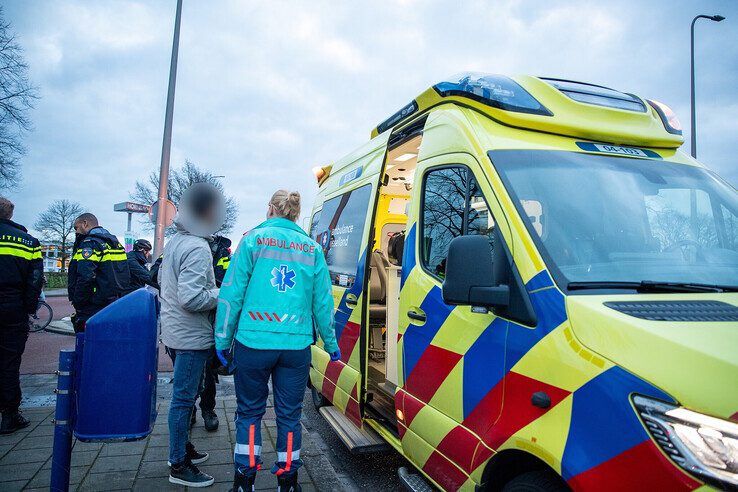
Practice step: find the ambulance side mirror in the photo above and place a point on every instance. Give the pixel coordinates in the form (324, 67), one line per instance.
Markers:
(471, 276)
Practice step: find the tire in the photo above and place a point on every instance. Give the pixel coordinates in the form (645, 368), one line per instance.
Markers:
(536, 481)
(318, 399)
(41, 318)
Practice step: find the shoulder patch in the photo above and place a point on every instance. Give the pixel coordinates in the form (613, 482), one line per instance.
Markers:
(86, 253)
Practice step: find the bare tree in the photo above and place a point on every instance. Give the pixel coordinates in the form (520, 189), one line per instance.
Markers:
(179, 180)
(56, 224)
(17, 95)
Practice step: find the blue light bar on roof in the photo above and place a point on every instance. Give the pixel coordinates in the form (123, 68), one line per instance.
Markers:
(597, 95)
(497, 91)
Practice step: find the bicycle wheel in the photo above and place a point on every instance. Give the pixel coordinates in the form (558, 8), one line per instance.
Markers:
(42, 317)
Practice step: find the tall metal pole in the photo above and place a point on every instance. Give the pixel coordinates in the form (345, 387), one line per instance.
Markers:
(715, 18)
(167, 142)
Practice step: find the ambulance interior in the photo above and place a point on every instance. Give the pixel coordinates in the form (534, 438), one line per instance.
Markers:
(385, 270)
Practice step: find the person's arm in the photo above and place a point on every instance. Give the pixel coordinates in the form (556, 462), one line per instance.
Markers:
(139, 274)
(192, 292)
(323, 303)
(232, 295)
(87, 257)
(34, 280)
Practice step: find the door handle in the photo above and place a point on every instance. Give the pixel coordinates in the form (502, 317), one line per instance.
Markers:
(351, 300)
(416, 316)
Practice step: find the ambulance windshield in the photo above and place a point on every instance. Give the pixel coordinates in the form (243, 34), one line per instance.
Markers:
(600, 218)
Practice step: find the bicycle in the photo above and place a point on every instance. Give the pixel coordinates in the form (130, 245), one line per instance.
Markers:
(39, 320)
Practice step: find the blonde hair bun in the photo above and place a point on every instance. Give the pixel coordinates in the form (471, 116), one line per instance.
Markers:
(286, 204)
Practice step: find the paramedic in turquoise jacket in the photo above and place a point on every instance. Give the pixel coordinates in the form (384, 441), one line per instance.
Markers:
(276, 291)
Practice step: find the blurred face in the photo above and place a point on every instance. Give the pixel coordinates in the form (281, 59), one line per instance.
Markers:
(146, 253)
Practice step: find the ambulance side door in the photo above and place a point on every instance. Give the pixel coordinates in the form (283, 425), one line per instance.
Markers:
(451, 360)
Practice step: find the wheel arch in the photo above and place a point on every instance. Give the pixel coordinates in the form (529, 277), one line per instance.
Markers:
(508, 464)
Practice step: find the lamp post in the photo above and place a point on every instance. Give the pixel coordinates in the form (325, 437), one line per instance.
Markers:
(166, 145)
(715, 18)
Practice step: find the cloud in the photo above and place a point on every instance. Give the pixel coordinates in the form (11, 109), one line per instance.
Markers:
(265, 91)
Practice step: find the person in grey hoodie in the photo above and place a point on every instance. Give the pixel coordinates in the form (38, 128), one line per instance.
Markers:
(188, 296)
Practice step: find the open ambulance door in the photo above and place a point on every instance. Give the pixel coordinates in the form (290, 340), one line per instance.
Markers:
(342, 229)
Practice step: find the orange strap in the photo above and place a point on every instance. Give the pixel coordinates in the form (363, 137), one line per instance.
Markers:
(288, 463)
(289, 452)
(252, 458)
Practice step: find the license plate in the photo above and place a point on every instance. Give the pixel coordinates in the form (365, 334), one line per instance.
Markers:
(614, 149)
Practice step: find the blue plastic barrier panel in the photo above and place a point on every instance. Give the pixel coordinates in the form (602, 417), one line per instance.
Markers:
(116, 391)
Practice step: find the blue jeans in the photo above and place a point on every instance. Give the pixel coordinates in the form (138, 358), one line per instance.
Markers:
(289, 370)
(189, 367)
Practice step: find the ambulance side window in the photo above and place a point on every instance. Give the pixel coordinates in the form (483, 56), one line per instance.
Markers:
(338, 229)
(453, 205)
(444, 197)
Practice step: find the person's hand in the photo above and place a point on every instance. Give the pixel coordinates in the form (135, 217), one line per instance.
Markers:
(223, 356)
(336, 356)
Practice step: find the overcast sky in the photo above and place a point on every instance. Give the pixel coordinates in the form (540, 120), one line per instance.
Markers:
(267, 90)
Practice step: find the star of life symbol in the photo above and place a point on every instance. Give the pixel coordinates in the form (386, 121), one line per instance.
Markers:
(283, 278)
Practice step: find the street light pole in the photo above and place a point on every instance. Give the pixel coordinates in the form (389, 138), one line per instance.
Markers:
(715, 18)
(167, 142)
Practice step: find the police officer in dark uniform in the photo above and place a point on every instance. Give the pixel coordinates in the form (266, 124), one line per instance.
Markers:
(221, 248)
(21, 280)
(138, 257)
(101, 274)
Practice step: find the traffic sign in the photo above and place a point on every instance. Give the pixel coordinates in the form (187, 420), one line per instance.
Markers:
(170, 210)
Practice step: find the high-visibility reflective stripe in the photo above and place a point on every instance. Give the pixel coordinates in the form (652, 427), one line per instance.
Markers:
(252, 450)
(293, 256)
(224, 262)
(15, 244)
(288, 461)
(19, 253)
(243, 449)
(105, 255)
(283, 456)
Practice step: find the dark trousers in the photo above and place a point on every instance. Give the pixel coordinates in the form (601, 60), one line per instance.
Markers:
(289, 370)
(207, 395)
(13, 336)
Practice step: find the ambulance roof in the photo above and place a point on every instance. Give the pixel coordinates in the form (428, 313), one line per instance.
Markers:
(557, 106)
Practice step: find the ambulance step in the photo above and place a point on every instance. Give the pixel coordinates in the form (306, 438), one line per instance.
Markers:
(356, 440)
(413, 481)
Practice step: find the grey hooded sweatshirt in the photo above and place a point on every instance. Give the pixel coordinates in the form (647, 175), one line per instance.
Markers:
(188, 294)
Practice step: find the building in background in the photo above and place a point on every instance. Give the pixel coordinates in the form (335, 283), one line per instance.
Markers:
(52, 255)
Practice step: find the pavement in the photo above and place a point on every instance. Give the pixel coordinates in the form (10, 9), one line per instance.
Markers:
(25, 456)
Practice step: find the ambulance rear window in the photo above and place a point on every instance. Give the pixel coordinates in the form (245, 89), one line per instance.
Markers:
(497, 91)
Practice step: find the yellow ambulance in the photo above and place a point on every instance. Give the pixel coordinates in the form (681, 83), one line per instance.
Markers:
(535, 289)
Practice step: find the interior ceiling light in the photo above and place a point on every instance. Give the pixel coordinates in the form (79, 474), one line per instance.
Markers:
(405, 157)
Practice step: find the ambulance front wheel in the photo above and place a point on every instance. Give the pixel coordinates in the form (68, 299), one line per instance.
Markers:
(318, 399)
(535, 481)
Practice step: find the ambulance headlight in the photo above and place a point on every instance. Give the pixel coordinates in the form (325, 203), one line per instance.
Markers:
(668, 117)
(702, 445)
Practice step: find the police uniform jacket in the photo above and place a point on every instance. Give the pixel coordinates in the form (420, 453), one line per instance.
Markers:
(101, 275)
(21, 272)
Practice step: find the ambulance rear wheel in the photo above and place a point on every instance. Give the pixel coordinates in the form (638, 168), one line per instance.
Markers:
(535, 481)
(318, 399)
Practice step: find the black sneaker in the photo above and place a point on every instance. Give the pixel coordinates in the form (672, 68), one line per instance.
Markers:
(13, 421)
(243, 483)
(189, 475)
(288, 483)
(211, 420)
(193, 455)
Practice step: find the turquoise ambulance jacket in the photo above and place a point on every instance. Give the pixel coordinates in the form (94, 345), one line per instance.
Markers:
(276, 289)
